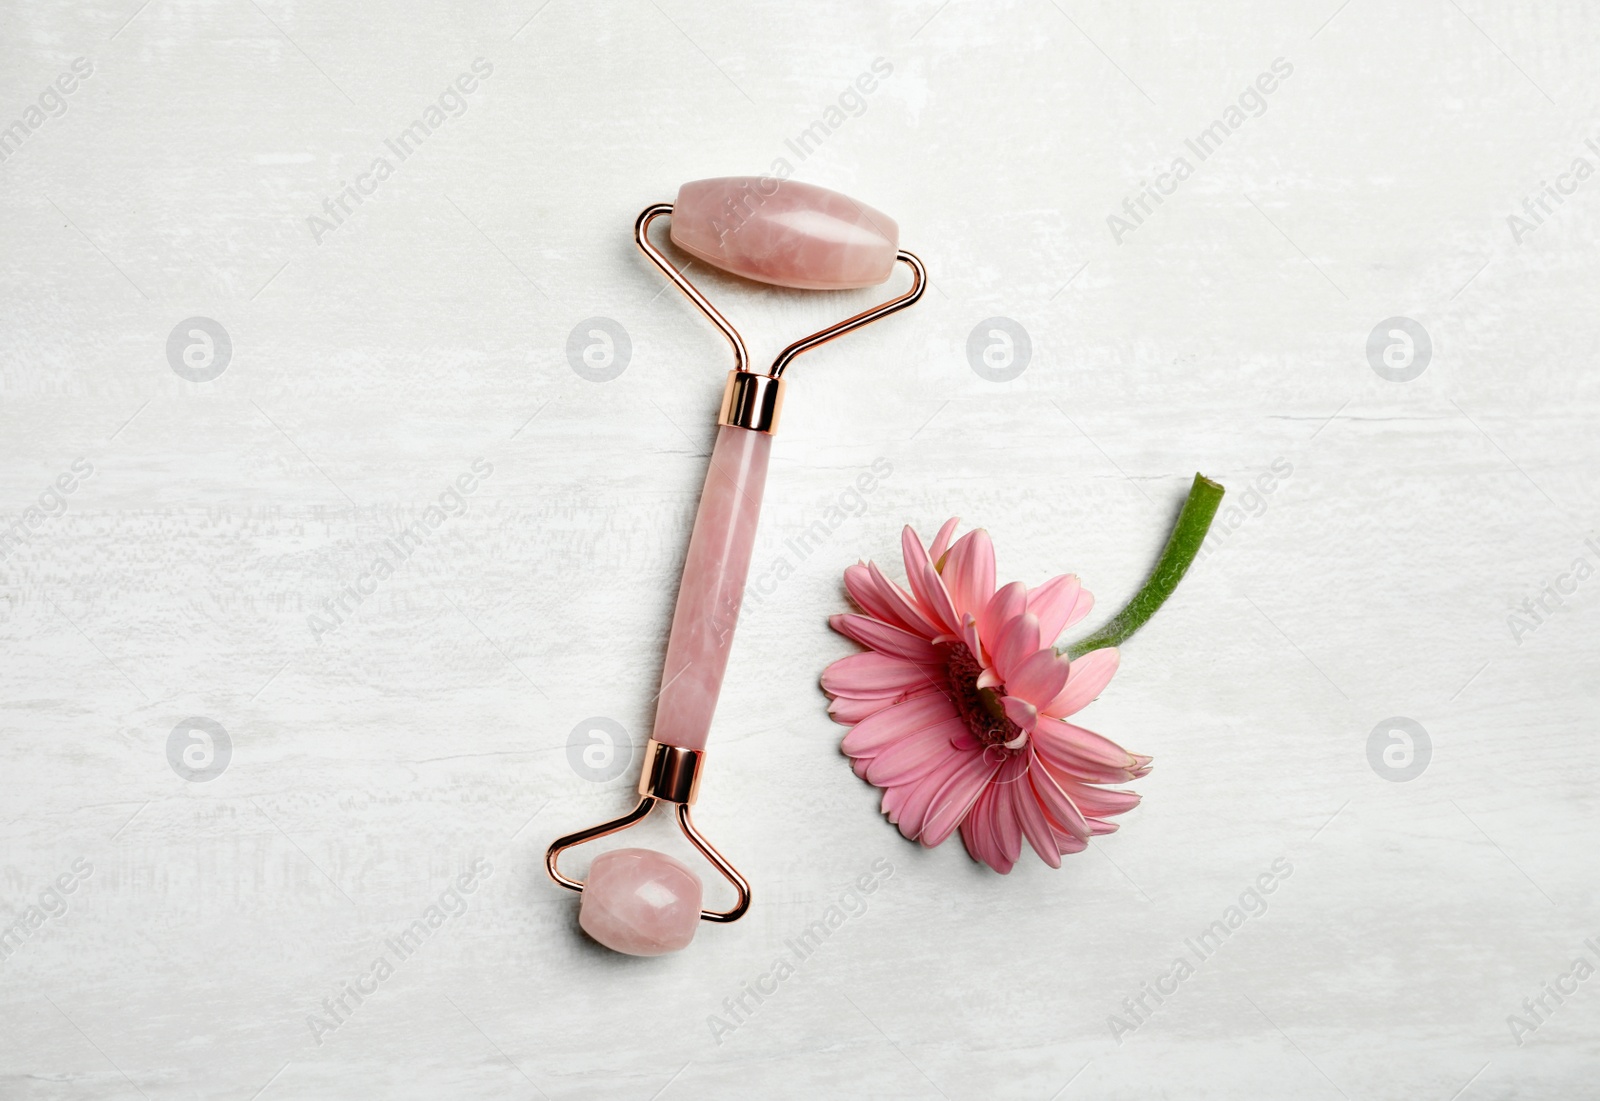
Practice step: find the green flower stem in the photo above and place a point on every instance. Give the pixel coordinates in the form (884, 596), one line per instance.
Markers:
(1187, 535)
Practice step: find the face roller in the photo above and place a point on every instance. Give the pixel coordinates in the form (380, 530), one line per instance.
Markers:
(788, 234)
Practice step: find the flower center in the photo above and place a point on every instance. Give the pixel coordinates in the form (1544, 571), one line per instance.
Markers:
(978, 707)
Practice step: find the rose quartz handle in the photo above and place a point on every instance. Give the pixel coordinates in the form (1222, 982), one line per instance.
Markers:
(712, 587)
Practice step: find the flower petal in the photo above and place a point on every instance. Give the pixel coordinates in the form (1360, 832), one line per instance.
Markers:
(978, 833)
(857, 584)
(903, 610)
(1007, 827)
(1010, 602)
(1040, 678)
(1018, 640)
(849, 710)
(954, 801)
(1086, 679)
(918, 798)
(1059, 603)
(877, 635)
(1100, 802)
(969, 572)
(893, 798)
(911, 758)
(1064, 766)
(941, 541)
(1035, 827)
(1020, 711)
(926, 586)
(969, 635)
(1080, 608)
(875, 594)
(961, 736)
(1067, 843)
(873, 674)
(1056, 734)
(1063, 812)
(1088, 760)
(876, 732)
(990, 830)
(999, 811)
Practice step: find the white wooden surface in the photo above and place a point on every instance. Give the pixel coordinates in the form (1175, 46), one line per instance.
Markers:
(426, 737)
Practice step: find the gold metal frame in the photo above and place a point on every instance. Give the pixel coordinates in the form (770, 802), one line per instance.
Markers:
(671, 772)
(746, 403)
(752, 401)
(671, 775)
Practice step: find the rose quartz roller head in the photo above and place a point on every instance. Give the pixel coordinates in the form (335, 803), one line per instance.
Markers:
(789, 234)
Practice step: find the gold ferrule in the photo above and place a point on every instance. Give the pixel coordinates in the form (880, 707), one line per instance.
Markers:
(671, 772)
(752, 401)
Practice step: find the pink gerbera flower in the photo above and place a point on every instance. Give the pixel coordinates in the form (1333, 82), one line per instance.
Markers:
(958, 709)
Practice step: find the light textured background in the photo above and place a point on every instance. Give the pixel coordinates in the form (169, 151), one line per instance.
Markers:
(430, 731)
